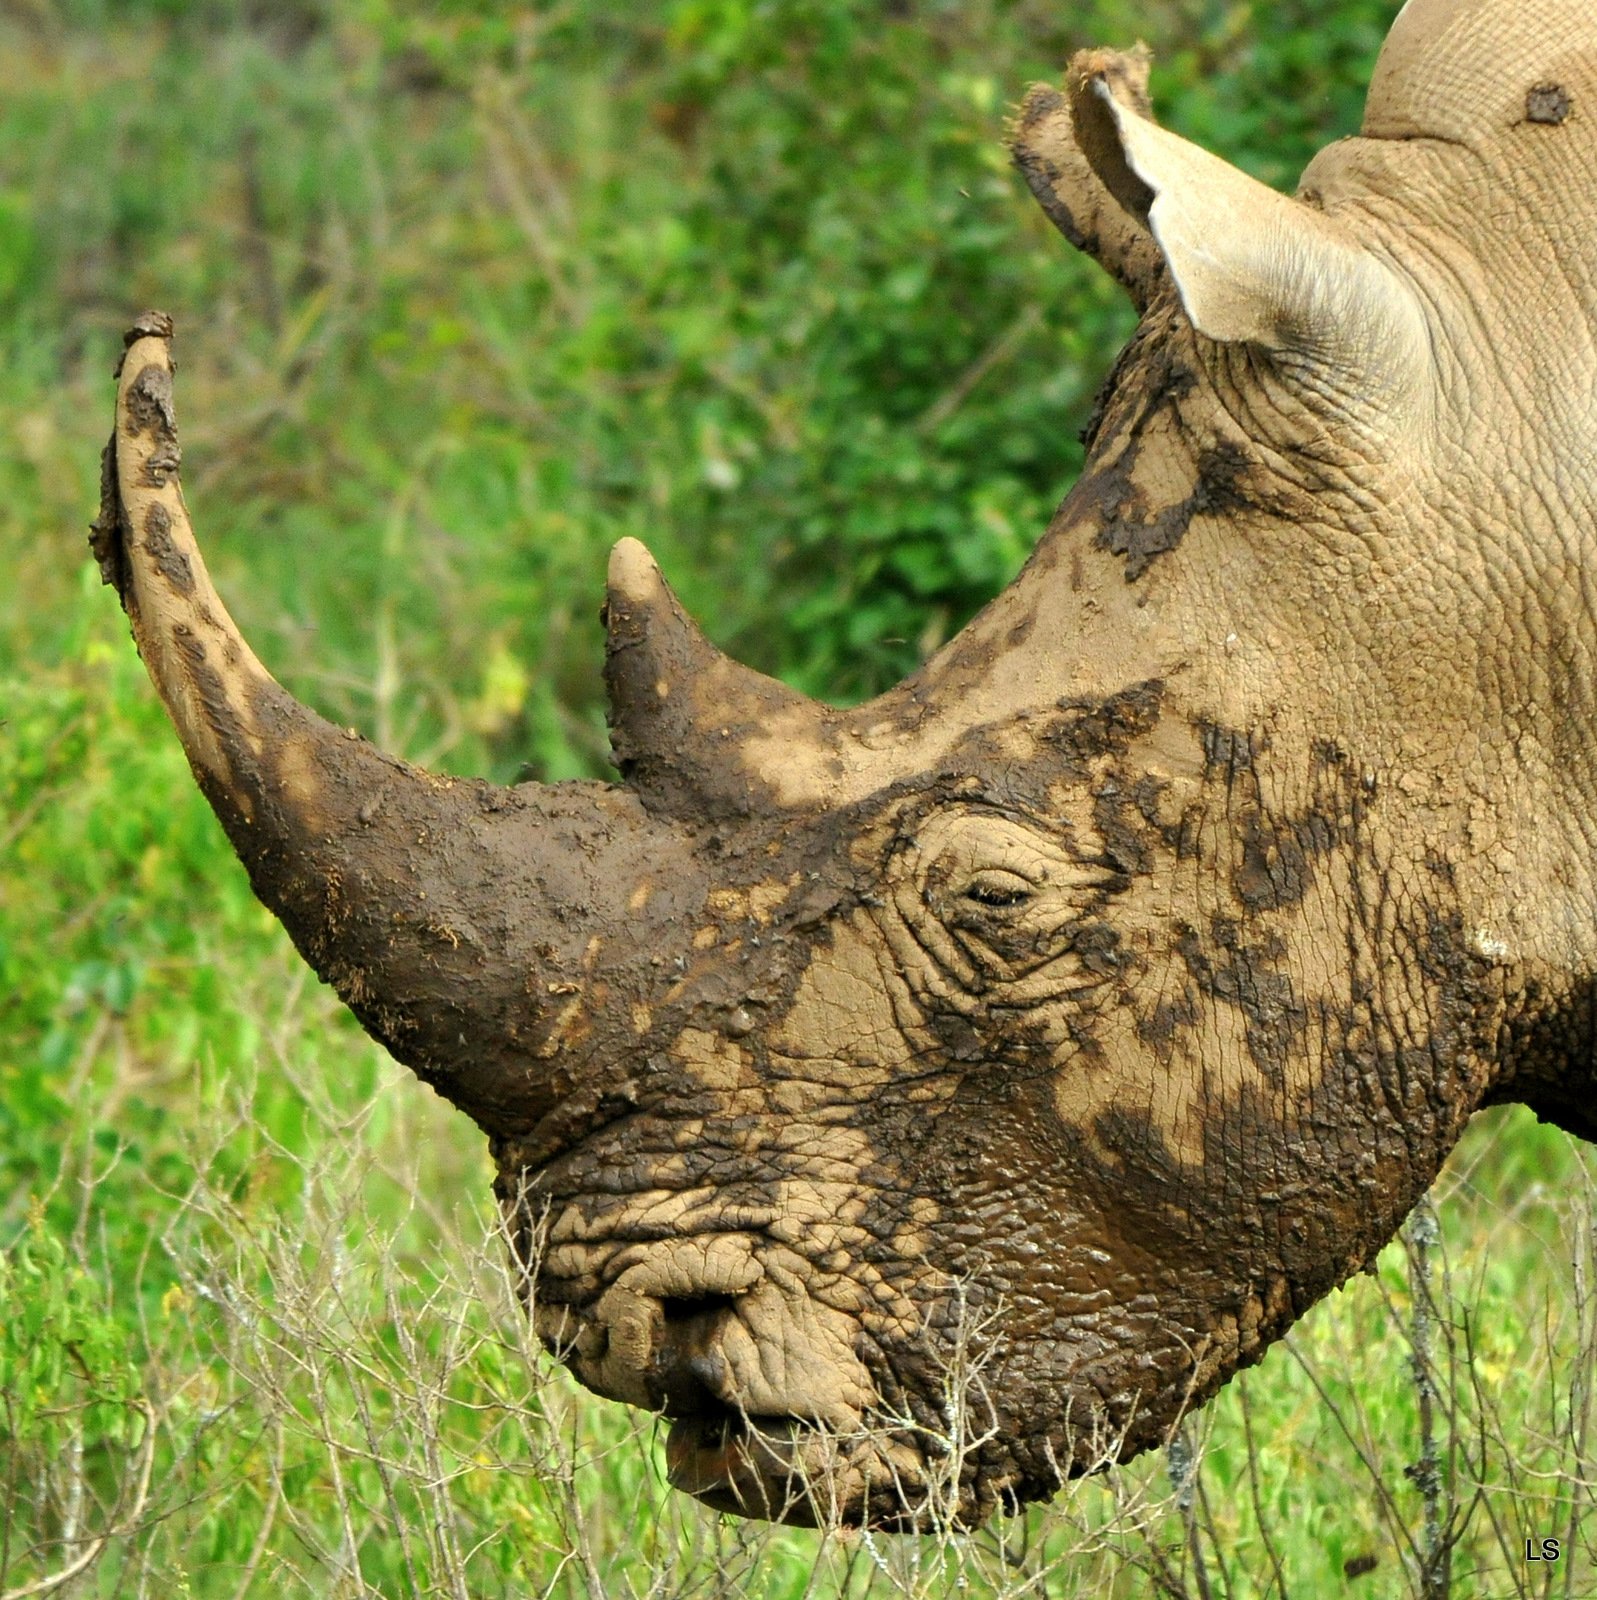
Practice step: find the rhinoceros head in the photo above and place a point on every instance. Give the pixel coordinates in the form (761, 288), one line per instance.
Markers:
(922, 1102)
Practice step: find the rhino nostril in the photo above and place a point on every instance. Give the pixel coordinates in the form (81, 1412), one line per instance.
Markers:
(678, 1308)
(688, 1372)
(688, 1383)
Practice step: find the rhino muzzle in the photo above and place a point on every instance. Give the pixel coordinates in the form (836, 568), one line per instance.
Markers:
(793, 1438)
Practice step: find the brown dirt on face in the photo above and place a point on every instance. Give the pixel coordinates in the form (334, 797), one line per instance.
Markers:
(1549, 104)
(105, 541)
(1157, 462)
(171, 562)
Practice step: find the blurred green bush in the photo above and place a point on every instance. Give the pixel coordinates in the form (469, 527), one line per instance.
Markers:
(466, 292)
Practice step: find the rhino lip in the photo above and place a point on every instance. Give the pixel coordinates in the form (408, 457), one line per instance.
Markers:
(753, 1466)
(794, 1470)
(723, 1456)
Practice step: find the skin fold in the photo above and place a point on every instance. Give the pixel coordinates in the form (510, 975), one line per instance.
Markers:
(924, 1102)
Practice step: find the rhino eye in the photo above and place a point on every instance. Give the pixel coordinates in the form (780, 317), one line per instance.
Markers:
(998, 889)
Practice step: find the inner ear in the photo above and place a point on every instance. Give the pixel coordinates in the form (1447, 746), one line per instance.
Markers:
(1253, 266)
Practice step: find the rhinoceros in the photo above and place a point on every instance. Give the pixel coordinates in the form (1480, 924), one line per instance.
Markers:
(955, 1089)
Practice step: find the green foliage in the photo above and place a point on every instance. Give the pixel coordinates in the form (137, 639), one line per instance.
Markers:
(465, 293)
(468, 293)
(59, 1336)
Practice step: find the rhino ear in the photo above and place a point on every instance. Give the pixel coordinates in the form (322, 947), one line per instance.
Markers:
(1251, 265)
(1066, 147)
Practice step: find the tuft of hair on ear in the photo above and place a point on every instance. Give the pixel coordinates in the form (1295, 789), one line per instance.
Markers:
(1053, 139)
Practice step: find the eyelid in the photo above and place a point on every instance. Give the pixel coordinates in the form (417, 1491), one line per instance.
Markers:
(998, 882)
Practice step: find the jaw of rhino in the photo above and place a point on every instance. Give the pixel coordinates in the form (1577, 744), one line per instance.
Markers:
(923, 1103)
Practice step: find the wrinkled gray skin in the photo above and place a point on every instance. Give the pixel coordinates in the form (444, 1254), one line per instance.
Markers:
(922, 1102)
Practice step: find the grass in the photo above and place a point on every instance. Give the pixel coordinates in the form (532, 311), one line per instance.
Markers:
(466, 293)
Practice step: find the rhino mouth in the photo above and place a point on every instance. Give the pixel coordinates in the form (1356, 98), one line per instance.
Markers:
(771, 1410)
(793, 1470)
(742, 1464)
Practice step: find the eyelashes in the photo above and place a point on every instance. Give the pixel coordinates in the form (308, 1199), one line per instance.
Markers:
(998, 890)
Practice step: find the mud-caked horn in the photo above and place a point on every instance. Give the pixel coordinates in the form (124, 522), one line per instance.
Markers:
(690, 727)
(461, 922)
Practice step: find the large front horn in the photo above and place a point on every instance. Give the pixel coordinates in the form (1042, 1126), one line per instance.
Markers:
(458, 920)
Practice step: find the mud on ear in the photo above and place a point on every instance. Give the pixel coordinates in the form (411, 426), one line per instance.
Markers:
(1078, 186)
